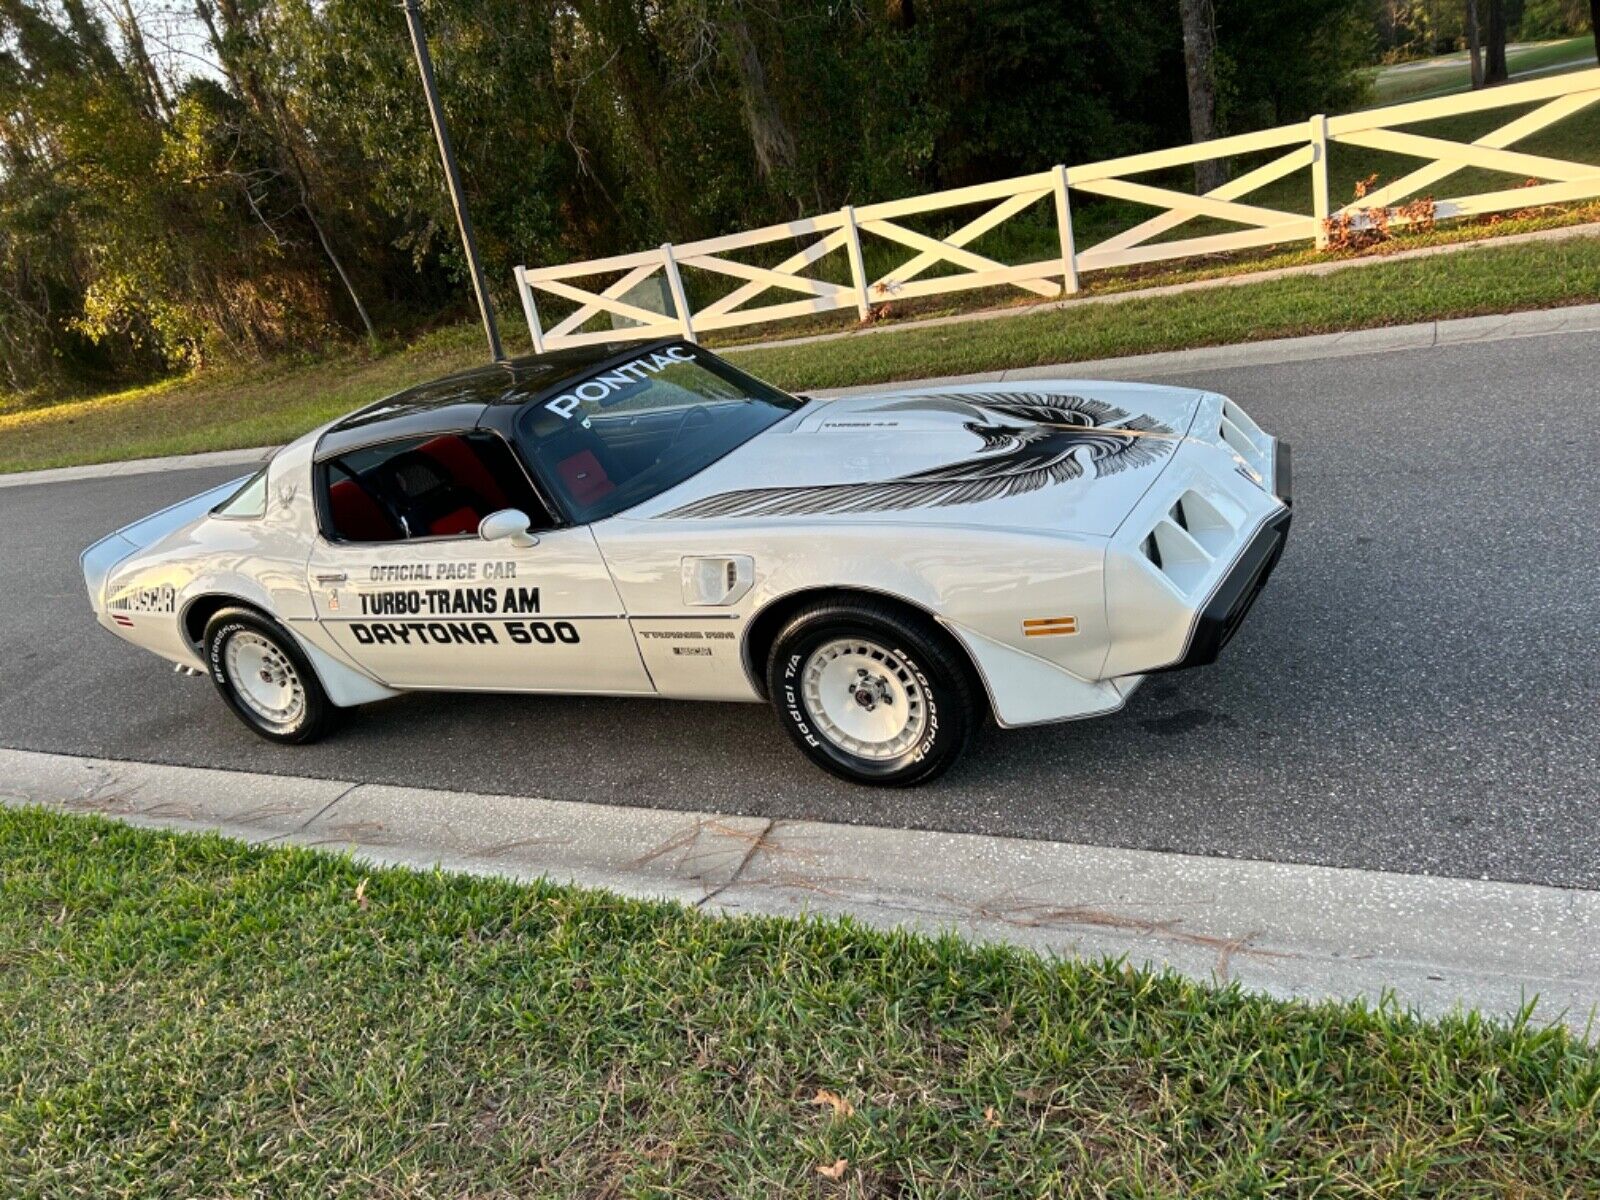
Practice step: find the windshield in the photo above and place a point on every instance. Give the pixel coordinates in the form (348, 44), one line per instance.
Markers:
(632, 430)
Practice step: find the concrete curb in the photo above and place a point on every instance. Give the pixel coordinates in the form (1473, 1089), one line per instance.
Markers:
(141, 466)
(1284, 929)
(1583, 318)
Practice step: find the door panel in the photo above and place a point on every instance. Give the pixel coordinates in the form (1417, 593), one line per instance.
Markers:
(466, 614)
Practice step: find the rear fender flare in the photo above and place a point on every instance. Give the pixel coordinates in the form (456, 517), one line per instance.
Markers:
(345, 684)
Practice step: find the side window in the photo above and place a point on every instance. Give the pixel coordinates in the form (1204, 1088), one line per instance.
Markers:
(439, 486)
(249, 501)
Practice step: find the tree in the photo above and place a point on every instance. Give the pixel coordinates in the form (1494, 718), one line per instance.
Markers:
(1594, 25)
(238, 46)
(1200, 76)
(1474, 44)
(1495, 70)
(154, 213)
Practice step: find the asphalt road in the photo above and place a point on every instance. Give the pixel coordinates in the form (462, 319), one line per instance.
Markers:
(1418, 690)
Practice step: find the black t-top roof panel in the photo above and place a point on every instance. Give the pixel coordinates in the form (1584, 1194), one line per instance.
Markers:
(458, 402)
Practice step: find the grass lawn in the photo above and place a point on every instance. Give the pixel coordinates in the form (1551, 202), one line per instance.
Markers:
(185, 1016)
(1494, 279)
(1447, 74)
(248, 407)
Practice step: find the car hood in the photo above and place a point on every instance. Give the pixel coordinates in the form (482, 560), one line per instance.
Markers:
(1060, 455)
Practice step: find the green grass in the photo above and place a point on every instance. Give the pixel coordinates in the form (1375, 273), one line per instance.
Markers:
(1447, 74)
(248, 407)
(1494, 279)
(249, 404)
(184, 1016)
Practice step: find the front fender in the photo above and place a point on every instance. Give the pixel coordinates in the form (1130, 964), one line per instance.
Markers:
(981, 585)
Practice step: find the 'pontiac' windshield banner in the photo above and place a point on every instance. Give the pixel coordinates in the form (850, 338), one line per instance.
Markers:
(615, 385)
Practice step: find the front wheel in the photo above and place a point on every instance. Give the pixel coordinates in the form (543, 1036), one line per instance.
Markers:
(870, 694)
(265, 678)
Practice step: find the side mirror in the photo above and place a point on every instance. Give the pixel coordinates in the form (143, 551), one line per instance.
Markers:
(510, 525)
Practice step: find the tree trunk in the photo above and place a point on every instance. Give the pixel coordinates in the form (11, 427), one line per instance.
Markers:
(87, 32)
(1199, 66)
(1594, 24)
(1495, 68)
(1475, 44)
(275, 122)
(155, 94)
(344, 276)
(769, 135)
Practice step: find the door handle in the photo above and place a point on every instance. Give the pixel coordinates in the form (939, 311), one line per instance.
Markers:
(333, 577)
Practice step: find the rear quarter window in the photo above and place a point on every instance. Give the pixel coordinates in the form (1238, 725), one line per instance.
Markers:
(249, 501)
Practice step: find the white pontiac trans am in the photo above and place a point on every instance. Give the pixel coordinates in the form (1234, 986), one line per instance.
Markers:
(885, 570)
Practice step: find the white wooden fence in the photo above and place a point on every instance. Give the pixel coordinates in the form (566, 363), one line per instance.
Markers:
(1302, 145)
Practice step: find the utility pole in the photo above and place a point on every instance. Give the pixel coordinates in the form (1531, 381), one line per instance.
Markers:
(447, 155)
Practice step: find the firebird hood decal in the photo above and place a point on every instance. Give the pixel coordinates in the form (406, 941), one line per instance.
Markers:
(1028, 441)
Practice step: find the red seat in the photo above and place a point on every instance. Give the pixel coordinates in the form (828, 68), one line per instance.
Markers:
(585, 479)
(465, 469)
(356, 515)
(462, 520)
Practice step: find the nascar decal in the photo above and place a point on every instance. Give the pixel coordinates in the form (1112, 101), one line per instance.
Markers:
(1043, 441)
(161, 599)
(464, 633)
(444, 602)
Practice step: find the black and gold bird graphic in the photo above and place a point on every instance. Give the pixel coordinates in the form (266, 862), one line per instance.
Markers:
(1030, 440)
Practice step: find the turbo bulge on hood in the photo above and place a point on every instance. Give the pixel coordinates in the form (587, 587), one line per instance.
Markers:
(885, 570)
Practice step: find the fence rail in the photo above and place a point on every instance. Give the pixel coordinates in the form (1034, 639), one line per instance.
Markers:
(1302, 145)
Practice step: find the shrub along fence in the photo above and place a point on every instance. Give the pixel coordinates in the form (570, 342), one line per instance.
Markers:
(645, 296)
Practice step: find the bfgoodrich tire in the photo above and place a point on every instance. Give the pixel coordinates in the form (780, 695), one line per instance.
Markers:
(265, 678)
(871, 694)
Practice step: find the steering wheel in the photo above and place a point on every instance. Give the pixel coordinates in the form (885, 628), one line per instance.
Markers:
(682, 426)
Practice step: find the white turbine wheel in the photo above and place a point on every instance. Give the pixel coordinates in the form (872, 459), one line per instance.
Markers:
(864, 699)
(265, 680)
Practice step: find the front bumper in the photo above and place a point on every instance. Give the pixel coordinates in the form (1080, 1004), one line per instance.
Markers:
(1282, 481)
(1189, 560)
(1230, 603)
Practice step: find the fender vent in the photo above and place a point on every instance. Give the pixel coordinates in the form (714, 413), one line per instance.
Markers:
(717, 581)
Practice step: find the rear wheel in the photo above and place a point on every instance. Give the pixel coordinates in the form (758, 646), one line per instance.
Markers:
(871, 694)
(265, 677)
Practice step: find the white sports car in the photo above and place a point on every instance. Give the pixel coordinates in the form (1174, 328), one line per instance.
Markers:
(885, 570)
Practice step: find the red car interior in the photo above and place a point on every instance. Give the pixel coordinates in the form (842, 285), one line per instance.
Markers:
(585, 479)
(443, 487)
(466, 470)
(356, 515)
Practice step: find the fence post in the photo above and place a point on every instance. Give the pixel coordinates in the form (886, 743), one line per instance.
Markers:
(529, 309)
(1319, 177)
(675, 283)
(858, 270)
(1069, 255)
